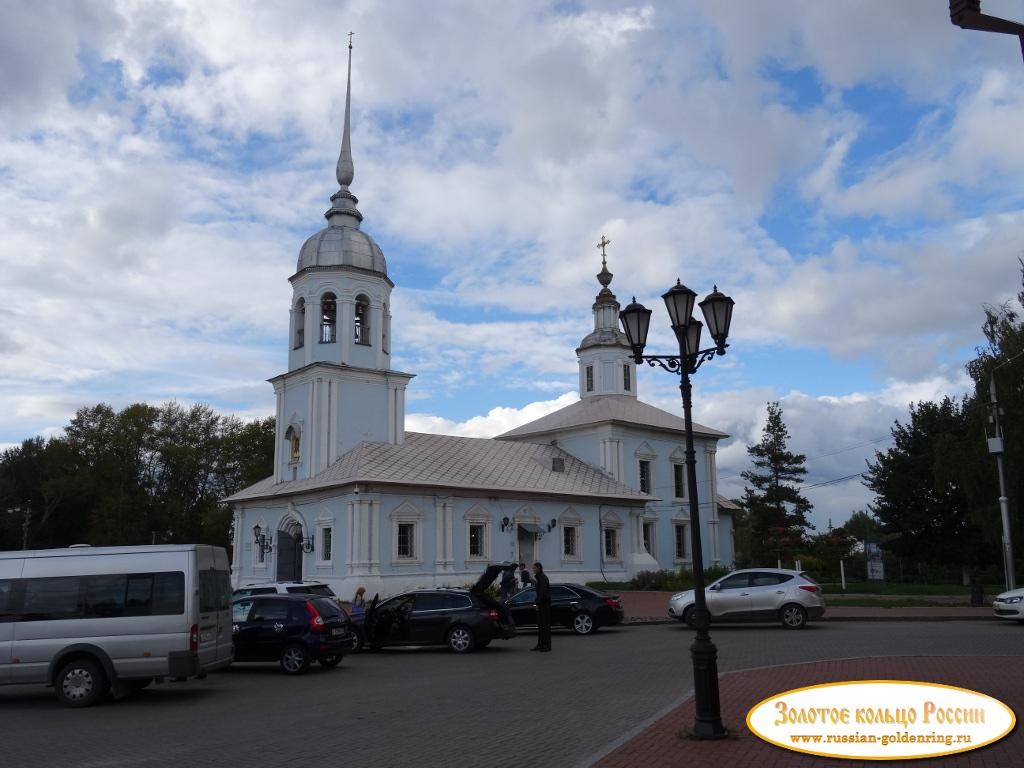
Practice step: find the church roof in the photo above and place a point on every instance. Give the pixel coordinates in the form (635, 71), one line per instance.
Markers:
(464, 463)
(603, 409)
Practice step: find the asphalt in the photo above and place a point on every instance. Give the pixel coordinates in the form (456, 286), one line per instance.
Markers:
(666, 741)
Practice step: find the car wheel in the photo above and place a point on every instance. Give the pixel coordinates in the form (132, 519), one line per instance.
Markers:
(460, 639)
(793, 616)
(689, 618)
(357, 641)
(295, 659)
(81, 683)
(583, 624)
(331, 661)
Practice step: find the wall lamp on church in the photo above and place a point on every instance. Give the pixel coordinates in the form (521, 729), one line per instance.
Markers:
(636, 321)
(505, 523)
(261, 540)
(307, 544)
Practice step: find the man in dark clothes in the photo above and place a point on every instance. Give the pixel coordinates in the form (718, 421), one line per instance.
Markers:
(542, 586)
(508, 582)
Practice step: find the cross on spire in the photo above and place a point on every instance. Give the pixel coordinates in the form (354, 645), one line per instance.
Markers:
(604, 242)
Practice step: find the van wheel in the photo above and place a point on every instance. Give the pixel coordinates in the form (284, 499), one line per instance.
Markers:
(81, 683)
(295, 659)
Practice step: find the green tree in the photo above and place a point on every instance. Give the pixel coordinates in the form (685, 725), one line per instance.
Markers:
(776, 509)
(862, 526)
(919, 489)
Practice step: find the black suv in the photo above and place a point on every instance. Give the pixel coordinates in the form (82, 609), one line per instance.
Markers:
(290, 629)
(459, 618)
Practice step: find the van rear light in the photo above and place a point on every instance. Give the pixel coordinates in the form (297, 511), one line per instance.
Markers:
(810, 588)
(316, 621)
(193, 639)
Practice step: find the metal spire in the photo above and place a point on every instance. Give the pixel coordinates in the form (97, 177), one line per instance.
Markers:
(345, 170)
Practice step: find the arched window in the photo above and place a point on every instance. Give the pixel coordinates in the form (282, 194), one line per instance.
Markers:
(292, 436)
(300, 323)
(328, 318)
(385, 341)
(362, 321)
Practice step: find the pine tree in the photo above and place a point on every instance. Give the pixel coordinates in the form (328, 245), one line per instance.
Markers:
(776, 509)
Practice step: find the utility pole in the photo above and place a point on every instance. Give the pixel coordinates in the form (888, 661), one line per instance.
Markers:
(995, 446)
(967, 14)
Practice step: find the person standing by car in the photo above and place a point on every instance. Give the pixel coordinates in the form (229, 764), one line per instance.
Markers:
(359, 602)
(543, 609)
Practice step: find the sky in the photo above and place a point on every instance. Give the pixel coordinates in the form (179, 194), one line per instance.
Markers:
(848, 172)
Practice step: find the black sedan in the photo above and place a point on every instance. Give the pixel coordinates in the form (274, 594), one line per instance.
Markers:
(459, 618)
(292, 630)
(581, 609)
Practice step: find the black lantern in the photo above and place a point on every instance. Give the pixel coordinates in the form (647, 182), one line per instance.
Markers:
(636, 321)
(717, 309)
(679, 302)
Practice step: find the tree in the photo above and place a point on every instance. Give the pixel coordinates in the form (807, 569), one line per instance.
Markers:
(862, 526)
(919, 486)
(776, 509)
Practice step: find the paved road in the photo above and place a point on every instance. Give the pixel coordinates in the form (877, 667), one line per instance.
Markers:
(503, 706)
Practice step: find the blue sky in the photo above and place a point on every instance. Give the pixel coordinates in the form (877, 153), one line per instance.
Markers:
(849, 173)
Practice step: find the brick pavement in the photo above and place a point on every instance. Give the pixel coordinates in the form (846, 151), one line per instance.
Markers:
(664, 743)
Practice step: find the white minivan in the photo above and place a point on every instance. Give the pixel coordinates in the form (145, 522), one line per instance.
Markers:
(88, 620)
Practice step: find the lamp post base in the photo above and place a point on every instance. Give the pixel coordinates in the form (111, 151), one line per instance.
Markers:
(708, 721)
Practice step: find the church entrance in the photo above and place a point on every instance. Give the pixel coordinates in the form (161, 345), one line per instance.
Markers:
(527, 540)
(289, 557)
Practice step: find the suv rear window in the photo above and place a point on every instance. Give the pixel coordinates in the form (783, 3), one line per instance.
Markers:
(327, 608)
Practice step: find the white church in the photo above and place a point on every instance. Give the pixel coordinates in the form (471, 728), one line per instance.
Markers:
(595, 491)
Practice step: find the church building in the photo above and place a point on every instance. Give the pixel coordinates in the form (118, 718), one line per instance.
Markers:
(595, 491)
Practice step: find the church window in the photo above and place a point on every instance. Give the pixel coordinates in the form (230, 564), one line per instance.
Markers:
(611, 544)
(626, 383)
(326, 543)
(570, 542)
(406, 541)
(362, 320)
(644, 468)
(328, 318)
(300, 324)
(590, 378)
(682, 549)
(385, 340)
(476, 540)
(678, 480)
(293, 437)
(649, 528)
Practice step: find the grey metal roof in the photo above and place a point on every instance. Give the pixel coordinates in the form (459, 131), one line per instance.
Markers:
(467, 463)
(603, 409)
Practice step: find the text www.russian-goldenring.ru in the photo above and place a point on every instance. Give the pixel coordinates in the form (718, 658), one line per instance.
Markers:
(884, 739)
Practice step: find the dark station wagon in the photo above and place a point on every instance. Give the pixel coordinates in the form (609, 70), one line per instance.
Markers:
(462, 619)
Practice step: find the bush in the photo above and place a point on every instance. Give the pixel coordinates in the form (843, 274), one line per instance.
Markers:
(672, 581)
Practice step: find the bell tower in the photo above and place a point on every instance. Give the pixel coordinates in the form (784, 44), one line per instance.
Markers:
(339, 390)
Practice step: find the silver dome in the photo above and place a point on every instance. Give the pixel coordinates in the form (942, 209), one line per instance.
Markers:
(341, 246)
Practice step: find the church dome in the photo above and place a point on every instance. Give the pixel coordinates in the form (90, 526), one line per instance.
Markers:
(342, 246)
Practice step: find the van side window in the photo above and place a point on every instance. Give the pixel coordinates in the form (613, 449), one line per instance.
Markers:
(6, 600)
(54, 598)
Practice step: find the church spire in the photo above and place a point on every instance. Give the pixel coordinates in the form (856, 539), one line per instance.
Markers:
(343, 202)
(346, 171)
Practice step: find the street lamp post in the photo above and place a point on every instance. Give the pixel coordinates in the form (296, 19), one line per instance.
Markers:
(26, 521)
(636, 319)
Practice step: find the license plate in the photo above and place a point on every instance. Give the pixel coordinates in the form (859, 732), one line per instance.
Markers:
(337, 632)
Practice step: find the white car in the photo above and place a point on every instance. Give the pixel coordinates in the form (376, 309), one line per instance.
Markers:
(756, 594)
(284, 588)
(1010, 605)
